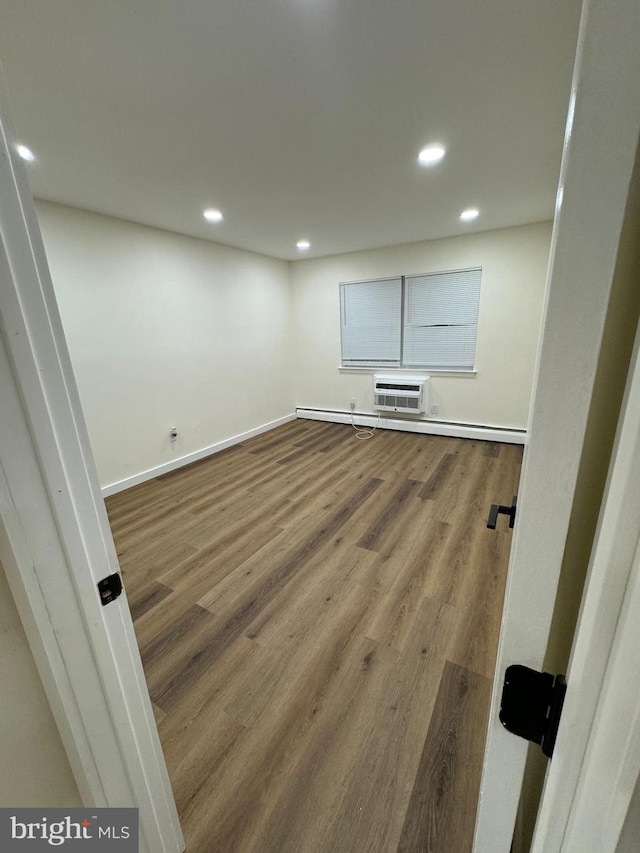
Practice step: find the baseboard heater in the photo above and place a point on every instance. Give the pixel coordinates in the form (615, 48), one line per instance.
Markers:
(400, 393)
(452, 429)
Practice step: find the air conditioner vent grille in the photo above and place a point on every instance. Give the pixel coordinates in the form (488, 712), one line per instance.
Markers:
(394, 402)
(402, 395)
(413, 386)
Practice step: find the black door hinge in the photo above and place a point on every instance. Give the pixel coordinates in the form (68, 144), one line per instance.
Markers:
(531, 705)
(497, 509)
(110, 588)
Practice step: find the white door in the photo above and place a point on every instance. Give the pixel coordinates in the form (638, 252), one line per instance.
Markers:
(596, 762)
(598, 161)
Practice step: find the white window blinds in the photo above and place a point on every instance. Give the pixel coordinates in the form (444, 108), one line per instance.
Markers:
(441, 319)
(426, 321)
(371, 322)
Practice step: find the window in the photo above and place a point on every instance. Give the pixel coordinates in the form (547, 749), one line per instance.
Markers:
(426, 321)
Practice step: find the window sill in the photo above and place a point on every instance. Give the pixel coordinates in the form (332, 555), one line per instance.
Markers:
(406, 370)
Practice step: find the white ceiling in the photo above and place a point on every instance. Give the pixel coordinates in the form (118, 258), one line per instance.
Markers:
(297, 118)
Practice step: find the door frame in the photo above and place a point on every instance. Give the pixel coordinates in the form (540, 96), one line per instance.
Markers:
(596, 761)
(597, 167)
(55, 539)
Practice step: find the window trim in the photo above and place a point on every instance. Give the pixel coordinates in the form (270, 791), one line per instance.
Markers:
(398, 368)
(462, 371)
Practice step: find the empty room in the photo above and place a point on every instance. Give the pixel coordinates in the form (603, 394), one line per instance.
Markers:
(296, 263)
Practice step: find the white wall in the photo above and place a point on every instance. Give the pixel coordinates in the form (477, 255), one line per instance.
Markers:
(514, 263)
(166, 330)
(35, 769)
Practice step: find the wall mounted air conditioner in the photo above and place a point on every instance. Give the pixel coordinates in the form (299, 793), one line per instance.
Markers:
(400, 393)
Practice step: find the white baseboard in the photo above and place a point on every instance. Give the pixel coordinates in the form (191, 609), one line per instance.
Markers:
(484, 433)
(121, 485)
(454, 430)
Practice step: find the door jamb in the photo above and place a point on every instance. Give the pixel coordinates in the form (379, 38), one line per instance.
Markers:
(604, 117)
(592, 748)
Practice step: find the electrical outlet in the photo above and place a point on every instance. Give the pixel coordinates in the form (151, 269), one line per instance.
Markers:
(173, 434)
(435, 409)
(352, 403)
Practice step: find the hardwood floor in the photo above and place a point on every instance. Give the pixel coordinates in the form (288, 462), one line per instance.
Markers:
(318, 620)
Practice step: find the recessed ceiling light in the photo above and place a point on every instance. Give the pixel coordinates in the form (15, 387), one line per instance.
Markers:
(213, 215)
(303, 245)
(26, 153)
(468, 215)
(431, 154)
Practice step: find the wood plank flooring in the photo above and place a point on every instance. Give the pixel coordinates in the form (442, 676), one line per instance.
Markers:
(318, 620)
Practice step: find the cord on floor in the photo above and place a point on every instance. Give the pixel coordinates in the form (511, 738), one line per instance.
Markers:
(364, 433)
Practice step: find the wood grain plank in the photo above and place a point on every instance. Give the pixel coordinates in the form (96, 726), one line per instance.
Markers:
(479, 599)
(409, 585)
(223, 631)
(261, 588)
(146, 598)
(230, 547)
(257, 773)
(399, 501)
(145, 562)
(441, 814)
(434, 484)
(492, 448)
